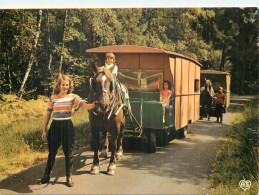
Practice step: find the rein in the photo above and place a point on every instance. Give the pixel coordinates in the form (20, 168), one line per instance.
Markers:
(115, 97)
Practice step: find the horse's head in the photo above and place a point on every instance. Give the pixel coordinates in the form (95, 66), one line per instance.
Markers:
(102, 86)
(208, 85)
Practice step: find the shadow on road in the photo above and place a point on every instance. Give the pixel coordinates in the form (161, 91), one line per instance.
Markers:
(23, 182)
(182, 160)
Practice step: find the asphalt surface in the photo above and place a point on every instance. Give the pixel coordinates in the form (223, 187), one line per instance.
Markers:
(182, 167)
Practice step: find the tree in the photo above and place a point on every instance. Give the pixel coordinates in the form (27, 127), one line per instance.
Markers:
(63, 42)
(32, 55)
(133, 25)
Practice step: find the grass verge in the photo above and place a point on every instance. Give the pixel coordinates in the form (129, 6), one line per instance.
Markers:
(21, 122)
(238, 158)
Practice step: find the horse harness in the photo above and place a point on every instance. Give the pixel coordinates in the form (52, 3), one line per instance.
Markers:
(115, 95)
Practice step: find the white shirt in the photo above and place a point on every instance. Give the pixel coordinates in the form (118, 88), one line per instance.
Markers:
(114, 71)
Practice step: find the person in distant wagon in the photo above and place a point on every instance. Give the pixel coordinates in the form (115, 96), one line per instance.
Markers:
(61, 130)
(165, 93)
(220, 103)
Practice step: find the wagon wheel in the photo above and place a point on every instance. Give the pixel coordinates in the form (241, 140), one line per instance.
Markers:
(182, 133)
(151, 141)
(163, 138)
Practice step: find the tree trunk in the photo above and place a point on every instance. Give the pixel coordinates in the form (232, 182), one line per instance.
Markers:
(223, 58)
(63, 42)
(10, 80)
(49, 46)
(36, 38)
(50, 68)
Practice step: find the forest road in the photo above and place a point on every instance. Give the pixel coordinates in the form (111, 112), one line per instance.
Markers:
(182, 167)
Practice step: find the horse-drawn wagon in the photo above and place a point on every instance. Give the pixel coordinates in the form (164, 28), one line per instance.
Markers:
(142, 70)
(217, 79)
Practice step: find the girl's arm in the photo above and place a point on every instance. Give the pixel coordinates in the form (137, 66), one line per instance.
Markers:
(45, 124)
(167, 99)
(88, 106)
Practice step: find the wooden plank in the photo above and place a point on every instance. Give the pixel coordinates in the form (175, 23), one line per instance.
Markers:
(127, 61)
(178, 67)
(191, 77)
(197, 97)
(177, 112)
(228, 82)
(197, 107)
(185, 76)
(191, 108)
(172, 69)
(184, 111)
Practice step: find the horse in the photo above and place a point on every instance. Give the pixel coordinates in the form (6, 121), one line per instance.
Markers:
(207, 93)
(108, 116)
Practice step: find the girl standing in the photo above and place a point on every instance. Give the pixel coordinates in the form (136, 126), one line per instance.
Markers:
(61, 130)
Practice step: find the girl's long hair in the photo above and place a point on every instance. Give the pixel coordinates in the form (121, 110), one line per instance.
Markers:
(169, 84)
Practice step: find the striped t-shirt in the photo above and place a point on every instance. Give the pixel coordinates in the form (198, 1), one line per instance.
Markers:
(62, 106)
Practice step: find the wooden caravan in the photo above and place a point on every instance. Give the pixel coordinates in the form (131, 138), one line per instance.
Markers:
(218, 79)
(142, 70)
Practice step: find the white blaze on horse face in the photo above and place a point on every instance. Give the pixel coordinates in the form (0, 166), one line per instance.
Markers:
(103, 81)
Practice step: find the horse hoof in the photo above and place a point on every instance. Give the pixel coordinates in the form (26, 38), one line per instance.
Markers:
(111, 169)
(119, 155)
(95, 170)
(104, 154)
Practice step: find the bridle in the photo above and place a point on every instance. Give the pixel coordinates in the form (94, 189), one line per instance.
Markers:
(112, 97)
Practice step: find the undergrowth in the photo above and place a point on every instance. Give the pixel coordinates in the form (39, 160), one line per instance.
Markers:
(239, 155)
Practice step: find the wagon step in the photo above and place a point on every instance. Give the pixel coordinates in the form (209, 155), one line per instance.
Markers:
(132, 132)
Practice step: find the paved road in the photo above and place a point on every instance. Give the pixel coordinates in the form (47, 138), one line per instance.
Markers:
(182, 167)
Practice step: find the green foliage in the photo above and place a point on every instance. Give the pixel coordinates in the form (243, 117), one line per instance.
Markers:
(132, 27)
(221, 39)
(238, 158)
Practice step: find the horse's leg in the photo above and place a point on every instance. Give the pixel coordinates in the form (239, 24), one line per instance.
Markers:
(95, 136)
(115, 132)
(119, 151)
(95, 169)
(105, 148)
(209, 112)
(114, 137)
(202, 112)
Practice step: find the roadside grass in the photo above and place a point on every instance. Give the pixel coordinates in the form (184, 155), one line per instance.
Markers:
(238, 158)
(21, 122)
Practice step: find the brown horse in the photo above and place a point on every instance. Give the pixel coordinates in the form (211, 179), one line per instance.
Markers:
(107, 116)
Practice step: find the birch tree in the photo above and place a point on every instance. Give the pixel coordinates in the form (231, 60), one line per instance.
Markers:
(36, 38)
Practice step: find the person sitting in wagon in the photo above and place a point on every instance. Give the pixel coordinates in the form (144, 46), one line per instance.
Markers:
(165, 95)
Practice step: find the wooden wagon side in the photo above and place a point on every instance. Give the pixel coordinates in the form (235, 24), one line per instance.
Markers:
(186, 75)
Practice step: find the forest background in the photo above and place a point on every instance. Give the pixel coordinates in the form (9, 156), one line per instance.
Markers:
(37, 45)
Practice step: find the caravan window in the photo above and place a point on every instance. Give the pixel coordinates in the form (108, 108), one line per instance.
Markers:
(141, 80)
